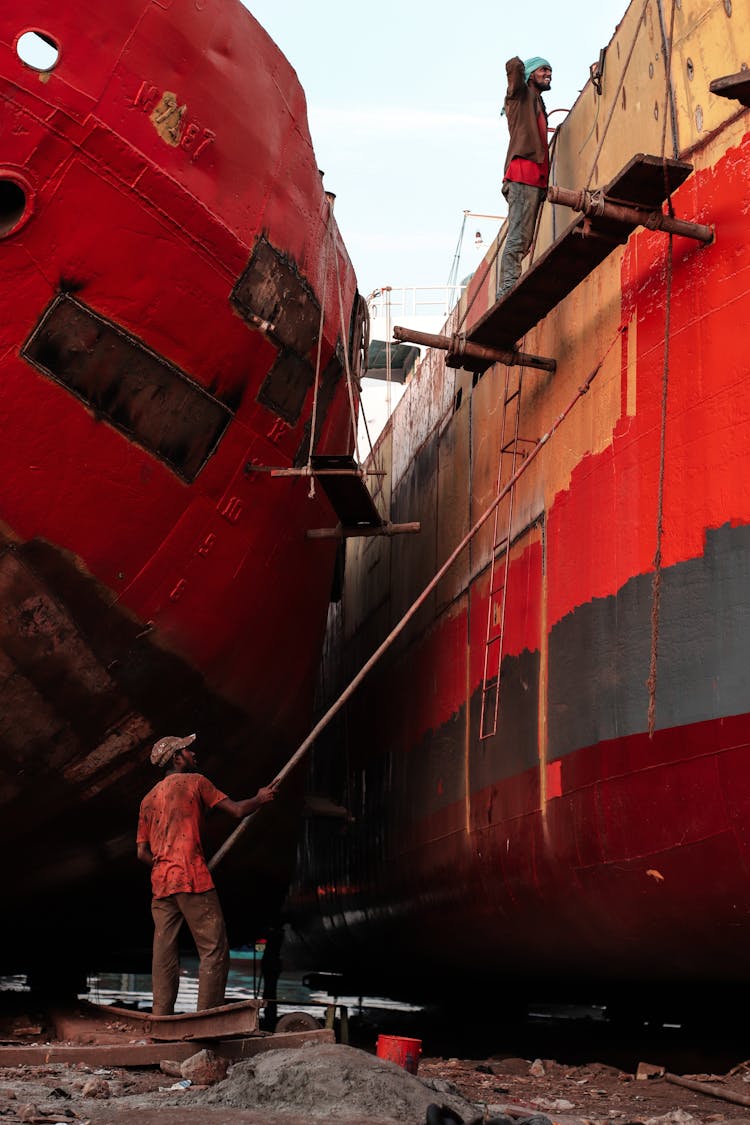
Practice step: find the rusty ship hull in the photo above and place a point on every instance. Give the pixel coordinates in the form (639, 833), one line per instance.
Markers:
(565, 848)
(172, 280)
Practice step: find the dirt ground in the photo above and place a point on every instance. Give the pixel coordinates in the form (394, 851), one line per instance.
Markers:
(347, 1082)
(593, 1091)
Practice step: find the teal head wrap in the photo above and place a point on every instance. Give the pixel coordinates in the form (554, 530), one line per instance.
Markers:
(533, 64)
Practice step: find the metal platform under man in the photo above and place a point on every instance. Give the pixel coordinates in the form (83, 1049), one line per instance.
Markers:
(608, 216)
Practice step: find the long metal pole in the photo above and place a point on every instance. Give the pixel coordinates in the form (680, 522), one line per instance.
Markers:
(334, 709)
(459, 345)
(387, 529)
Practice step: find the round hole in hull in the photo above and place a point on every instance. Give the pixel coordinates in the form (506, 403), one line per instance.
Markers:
(38, 50)
(13, 203)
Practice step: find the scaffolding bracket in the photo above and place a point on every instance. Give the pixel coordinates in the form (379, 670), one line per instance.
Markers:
(472, 357)
(595, 205)
(736, 87)
(361, 532)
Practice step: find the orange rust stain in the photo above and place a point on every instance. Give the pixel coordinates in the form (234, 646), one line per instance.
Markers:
(167, 117)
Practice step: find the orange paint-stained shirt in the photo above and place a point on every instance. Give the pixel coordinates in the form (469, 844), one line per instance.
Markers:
(170, 823)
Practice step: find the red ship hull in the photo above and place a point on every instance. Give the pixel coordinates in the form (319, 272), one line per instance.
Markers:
(568, 850)
(168, 262)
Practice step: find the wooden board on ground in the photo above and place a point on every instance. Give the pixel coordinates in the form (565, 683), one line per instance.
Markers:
(151, 1054)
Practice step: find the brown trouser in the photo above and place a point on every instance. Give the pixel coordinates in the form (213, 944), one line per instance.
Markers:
(204, 917)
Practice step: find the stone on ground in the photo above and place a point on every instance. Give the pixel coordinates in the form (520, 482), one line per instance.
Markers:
(204, 1068)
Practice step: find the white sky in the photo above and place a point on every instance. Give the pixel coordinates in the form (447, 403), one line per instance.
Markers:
(403, 100)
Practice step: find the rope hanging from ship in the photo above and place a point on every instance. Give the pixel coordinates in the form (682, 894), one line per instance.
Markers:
(657, 563)
(330, 242)
(316, 388)
(616, 98)
(651, 681)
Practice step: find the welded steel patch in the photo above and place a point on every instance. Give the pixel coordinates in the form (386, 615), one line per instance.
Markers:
(143, 396)
(272, 290)
(329, 380)
(286, 385)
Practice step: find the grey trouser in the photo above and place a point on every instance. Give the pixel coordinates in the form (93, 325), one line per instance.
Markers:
(203, 914)
(524, 202)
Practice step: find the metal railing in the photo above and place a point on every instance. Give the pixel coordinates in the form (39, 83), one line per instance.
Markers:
(414, 300)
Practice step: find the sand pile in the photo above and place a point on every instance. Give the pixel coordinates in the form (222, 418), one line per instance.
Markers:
(329, 1081)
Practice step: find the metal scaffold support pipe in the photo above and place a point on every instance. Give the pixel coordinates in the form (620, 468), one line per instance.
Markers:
(458, 345)
(596, 206)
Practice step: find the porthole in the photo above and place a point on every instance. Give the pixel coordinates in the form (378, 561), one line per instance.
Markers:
(14, 204)
(38, 50)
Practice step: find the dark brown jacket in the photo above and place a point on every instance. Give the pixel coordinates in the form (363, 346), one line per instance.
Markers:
(522, 105)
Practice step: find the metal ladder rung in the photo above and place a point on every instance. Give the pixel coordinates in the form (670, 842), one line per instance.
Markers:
(489, 710)
(497, 594)
(512, 446)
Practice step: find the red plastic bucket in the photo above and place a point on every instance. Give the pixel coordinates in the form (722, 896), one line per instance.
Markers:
(404, 1052)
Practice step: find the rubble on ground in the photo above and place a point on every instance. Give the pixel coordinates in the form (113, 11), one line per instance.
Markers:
(294, 1087)
(592, 1093)
(332, 1082)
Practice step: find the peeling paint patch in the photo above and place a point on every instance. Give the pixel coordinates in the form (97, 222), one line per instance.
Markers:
(127, 737)
(167, 118)
(272, 289)
(123, 382)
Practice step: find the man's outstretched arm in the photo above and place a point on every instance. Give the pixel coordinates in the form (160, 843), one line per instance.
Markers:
(240, 809)
(514, 68)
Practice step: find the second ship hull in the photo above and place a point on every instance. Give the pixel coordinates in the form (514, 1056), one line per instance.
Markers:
(569, 849)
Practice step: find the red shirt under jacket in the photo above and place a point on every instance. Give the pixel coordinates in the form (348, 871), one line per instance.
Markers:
(522, 171)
